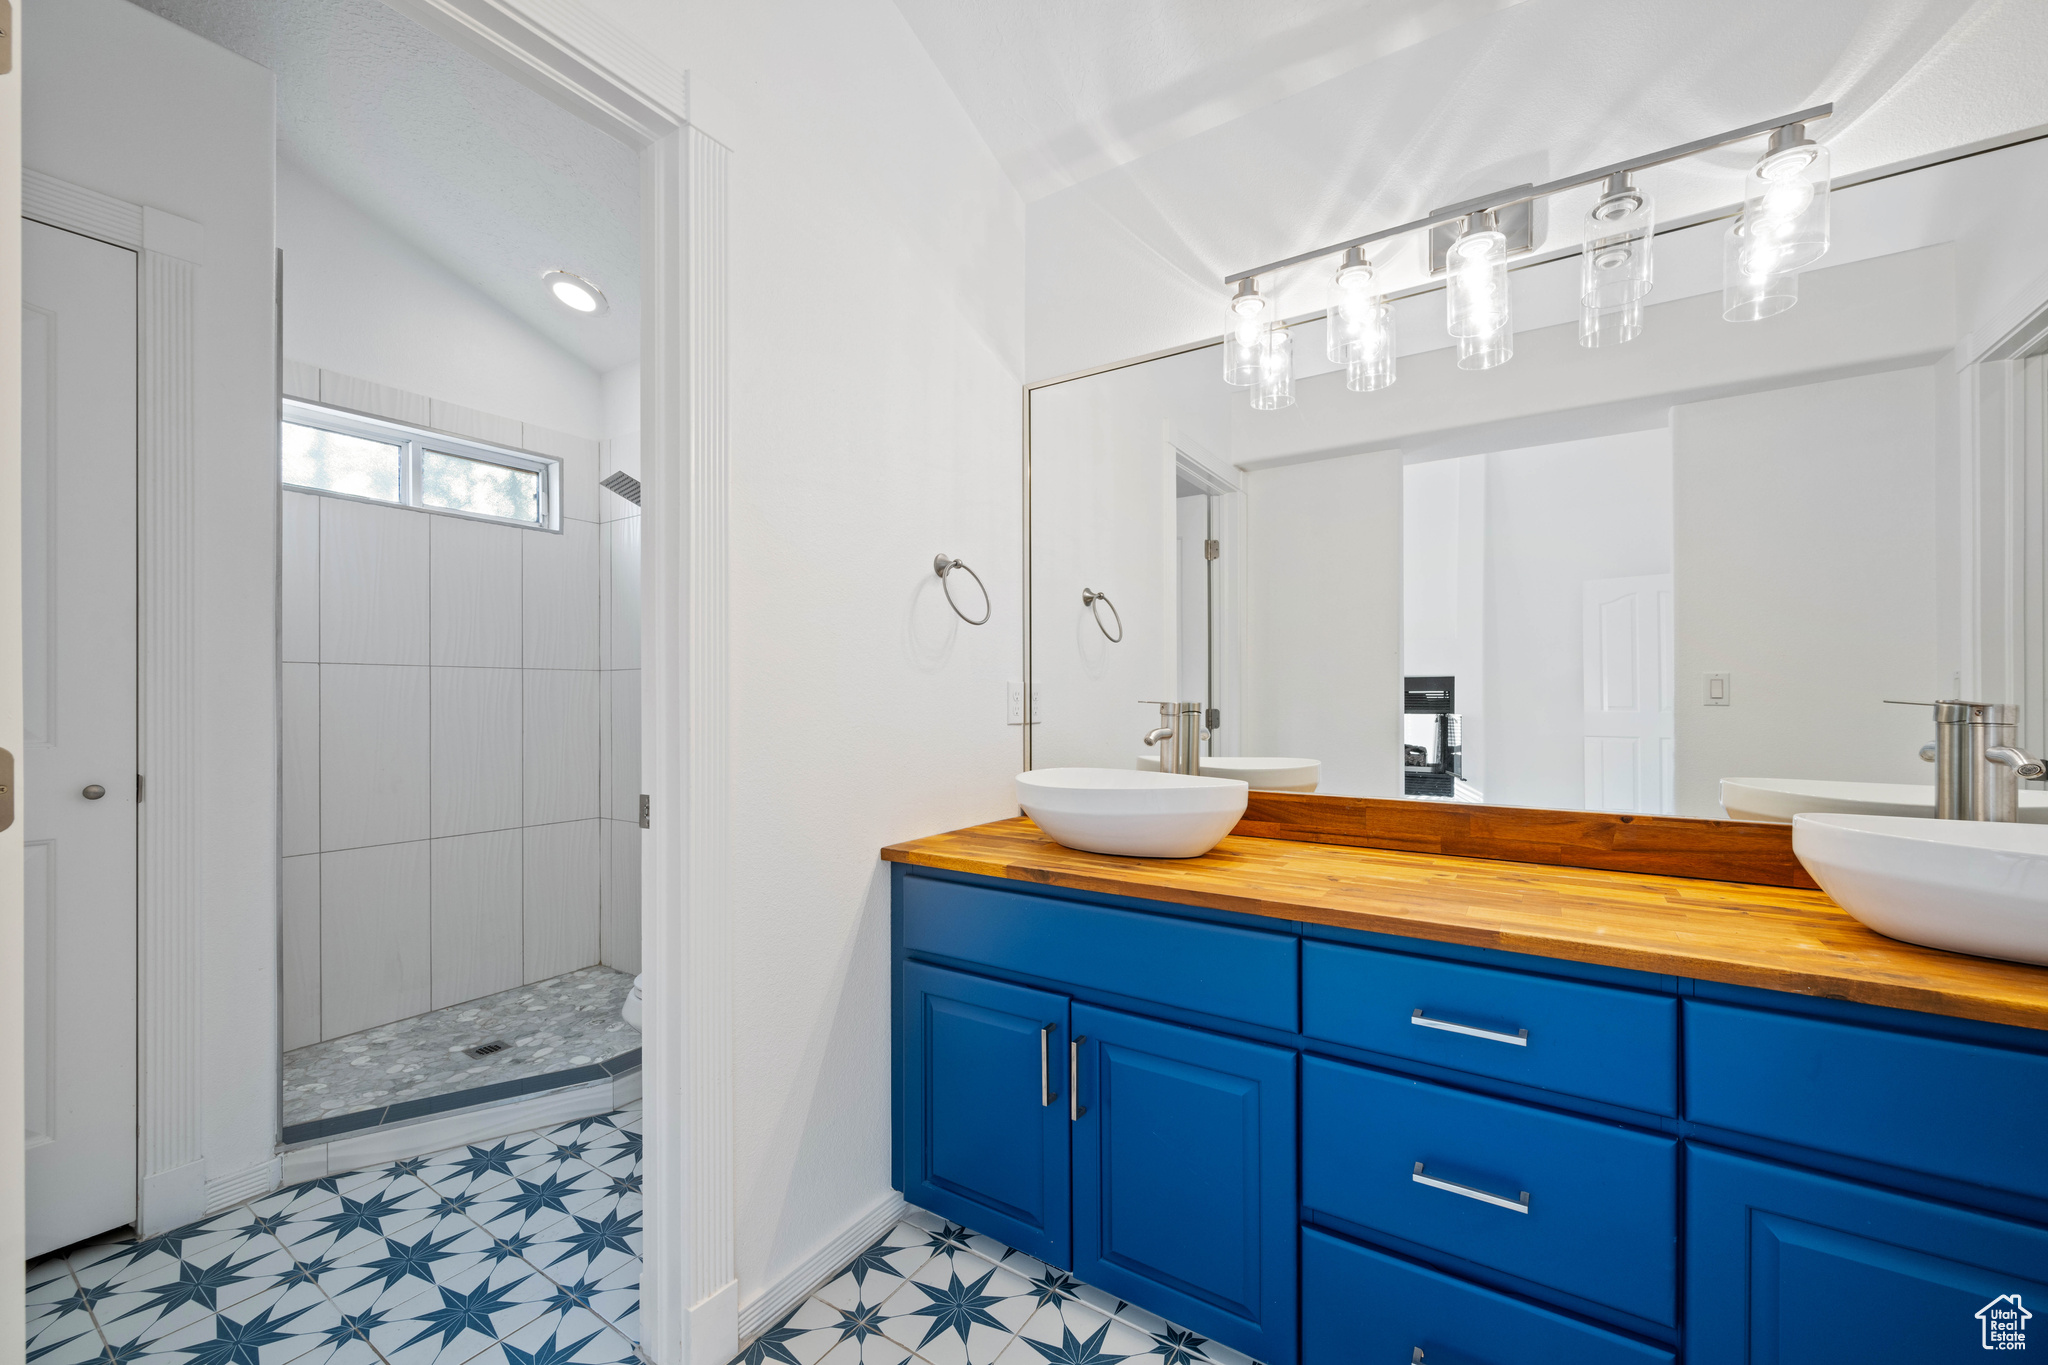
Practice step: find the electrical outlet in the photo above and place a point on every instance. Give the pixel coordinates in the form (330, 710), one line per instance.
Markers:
(1719, 688)
(1013, 712)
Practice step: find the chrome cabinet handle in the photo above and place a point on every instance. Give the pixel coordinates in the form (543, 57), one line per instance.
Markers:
(1074, 1106)
(1520, 1038)
(1518, 1205)
(1045, 1091)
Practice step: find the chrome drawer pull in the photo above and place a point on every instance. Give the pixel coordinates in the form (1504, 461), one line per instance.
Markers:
(1519, 1038)
(1045, 1090)
(1519, 1206)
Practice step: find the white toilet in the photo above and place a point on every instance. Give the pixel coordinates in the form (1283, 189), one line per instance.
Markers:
(630, 1011)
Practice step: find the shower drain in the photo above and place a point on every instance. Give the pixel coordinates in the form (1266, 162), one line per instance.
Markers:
(486, 1049)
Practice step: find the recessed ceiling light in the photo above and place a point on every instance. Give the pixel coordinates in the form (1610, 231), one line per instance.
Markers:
(575, 292)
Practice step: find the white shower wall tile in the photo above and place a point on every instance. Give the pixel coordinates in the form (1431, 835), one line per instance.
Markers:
(477, 920)
(474, 593)
(301, 951)
(299, 580)
(300, 724)
(561, 597)
(458, 420)
(375, 942)
(478, 749)
(619, 911)
(563, 871)
(378, 400)
(622, 599)
(373, 574)
(562, 733)
(622, 744)
(373, 755)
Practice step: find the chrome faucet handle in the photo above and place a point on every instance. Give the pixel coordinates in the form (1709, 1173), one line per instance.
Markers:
(1927, 753)
(2020, 761)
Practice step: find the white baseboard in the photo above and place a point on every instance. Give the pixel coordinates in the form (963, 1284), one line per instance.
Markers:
(766, 1308)
(173, 1198)
(397, 1141)
(241, 1186)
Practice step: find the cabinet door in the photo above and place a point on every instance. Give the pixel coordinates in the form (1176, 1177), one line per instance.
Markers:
(984, 1107)
(1788, 1267)
(1184, 1178)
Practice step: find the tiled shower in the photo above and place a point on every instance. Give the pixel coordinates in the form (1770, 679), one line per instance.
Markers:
(461, 739)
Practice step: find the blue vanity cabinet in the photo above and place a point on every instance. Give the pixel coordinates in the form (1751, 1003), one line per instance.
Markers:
(1790, 1267)
(1184, 1182)
(982, 1072)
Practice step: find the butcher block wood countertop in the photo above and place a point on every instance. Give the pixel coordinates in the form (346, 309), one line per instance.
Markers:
(1776, 938)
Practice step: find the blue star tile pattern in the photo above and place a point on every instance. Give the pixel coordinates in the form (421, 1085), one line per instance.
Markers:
(525, 1251)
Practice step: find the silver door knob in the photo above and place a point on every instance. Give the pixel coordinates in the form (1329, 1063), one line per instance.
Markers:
(94, 792)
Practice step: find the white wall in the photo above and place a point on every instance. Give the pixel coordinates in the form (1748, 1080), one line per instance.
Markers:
(1104, 518)
(1806, 568)
(1557, 516)
(361, 301)
(122, 102)
(876, 356)
(1323, 619)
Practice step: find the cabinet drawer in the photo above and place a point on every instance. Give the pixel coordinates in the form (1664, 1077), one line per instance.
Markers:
(1599, 1042)
(1352, 1297)
(1212, 968)
(1600, 1220)
(1960, 1110)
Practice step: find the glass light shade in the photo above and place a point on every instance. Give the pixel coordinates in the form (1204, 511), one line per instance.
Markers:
(1371, 365)
(1353, 306)
(1245, 327)
(1616, 266)
(1754, 284)
(1476, 290)
(1610, 326)
(1275, 386)
(1785, 201)
(1484, 352)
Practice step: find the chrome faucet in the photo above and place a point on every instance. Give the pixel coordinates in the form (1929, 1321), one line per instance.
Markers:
(1977, 764)
(1181, 723)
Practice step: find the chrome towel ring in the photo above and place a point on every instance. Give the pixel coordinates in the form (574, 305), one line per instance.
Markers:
(1089, 597)
(943, 565)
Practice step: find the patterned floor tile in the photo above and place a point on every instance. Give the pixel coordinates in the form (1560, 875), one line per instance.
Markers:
(272, 1328)
(958, 1309)
(577, 1337)
(866, 1350)
(455, 1321)
(52, 1335)
(881, 1270)
(617, 1299)
(1070, 1332)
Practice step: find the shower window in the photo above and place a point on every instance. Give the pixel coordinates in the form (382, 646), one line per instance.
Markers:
(342, 454)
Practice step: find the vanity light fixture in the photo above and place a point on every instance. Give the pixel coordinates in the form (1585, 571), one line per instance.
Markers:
(573, 291)
(1478, 309)
(1616, 266)
(1782, 229)
(1360, 327)
(1244, 334)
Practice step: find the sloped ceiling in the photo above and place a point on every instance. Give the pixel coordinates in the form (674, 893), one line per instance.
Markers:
(480, 174)
(1165, 143)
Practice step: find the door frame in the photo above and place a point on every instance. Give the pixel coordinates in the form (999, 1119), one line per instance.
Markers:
(564, 50)
(170, 1148)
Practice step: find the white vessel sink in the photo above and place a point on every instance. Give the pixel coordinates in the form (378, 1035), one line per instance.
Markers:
(1970, 886)
(1137, 815)
(1261, 774)
(1778, 799)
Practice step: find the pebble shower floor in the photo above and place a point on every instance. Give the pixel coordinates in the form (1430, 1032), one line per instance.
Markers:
(526, 1251)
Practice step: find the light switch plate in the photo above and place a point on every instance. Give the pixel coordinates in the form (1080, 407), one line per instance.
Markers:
(1720, 687)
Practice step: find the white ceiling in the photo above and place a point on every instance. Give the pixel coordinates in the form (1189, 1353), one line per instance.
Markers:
(476, 171)
(1166, 143)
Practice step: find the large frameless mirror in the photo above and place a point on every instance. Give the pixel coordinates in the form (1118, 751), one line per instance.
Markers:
(1623, 577)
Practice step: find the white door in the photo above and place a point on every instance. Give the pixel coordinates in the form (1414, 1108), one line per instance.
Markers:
(1191, 516)
(78, 648)
(1630, 703)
